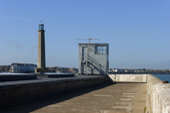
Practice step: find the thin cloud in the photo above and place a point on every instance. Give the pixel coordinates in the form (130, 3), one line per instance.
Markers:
(15, 44)
(16, 18)
(34, 48)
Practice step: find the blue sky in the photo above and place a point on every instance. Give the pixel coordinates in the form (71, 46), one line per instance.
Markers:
(138, 32)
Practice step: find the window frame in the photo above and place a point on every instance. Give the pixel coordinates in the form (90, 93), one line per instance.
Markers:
(101, 49)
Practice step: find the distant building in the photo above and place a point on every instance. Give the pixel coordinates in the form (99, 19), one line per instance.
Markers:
(51, 69)
(22, 67)
(73, 70)
(93, 58)
(4, 68)
(62, 70)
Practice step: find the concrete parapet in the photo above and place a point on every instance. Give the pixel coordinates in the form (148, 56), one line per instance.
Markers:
(36, 89)
(15, 92)
(61, 75)
(157, 95)
(158, 98)
(128, 77)
(151, 81)
(17, 77)
(161, 98)
(57, 75)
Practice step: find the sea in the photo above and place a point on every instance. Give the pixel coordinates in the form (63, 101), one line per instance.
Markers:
(164, 77)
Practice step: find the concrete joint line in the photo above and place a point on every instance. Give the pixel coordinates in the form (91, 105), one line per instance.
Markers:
(126, 99)
(130, 96)
(127, 108)
(129, 93)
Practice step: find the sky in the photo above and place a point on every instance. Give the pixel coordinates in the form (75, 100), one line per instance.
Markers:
(138, 32)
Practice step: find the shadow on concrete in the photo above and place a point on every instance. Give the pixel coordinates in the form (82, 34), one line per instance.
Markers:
(34, 105)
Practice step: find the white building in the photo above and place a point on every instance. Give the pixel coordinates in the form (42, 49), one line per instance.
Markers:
(22, 67)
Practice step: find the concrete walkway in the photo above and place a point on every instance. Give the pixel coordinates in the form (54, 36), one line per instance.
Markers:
(108, 98)
(139, 101)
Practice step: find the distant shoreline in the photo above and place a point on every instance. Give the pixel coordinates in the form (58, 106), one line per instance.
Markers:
(139, 72)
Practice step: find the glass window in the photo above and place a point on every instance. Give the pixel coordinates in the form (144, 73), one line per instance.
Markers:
(104, 50)
(100, 49)
(41, 27)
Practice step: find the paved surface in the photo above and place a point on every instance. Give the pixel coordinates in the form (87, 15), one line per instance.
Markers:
(139, 101)
(108, 98)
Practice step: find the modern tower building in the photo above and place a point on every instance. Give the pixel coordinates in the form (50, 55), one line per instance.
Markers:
(41, 51)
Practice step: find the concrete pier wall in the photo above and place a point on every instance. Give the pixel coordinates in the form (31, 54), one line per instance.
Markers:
(157, 92)
(18, 93)
(128, 77)
(11, 93)
(158, 95)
